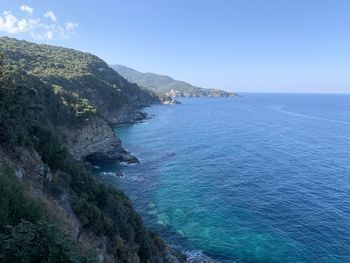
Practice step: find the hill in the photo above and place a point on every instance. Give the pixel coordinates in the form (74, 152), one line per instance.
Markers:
(81, 76)
(165, 85)
(93, 93)
(57, 108)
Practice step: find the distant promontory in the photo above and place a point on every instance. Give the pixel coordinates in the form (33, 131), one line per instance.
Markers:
(165, 85)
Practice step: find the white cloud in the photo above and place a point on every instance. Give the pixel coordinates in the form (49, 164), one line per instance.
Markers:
(11, 24)
(37, 29)
(49, 35)
(51, 15)
(25, 25)
(71, 25)
(27, 9)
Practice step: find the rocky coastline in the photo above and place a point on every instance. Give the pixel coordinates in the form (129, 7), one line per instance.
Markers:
(67, 104)
(173, 254)
(95, 140)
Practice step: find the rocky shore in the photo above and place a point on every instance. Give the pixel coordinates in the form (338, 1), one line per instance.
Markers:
(59, 110)
(173, 255)
(95, 140)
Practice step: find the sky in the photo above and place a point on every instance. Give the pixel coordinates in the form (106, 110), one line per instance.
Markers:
(236, 45)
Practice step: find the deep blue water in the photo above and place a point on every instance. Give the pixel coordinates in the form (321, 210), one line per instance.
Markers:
(262, 178)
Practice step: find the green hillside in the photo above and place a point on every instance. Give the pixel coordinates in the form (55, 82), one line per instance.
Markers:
(51, 208)
(76, 76)
(164, 84)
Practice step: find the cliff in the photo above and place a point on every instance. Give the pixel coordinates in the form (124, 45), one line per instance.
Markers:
(57, 107)
(95, 95)
(165, 85)
(95, 140)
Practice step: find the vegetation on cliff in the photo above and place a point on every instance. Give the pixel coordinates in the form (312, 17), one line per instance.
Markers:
(25, 236)
(163, 85)
(43, 89)
(81, 80)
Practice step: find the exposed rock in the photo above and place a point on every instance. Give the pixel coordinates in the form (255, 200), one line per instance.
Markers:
(174, 255)
(46, 172)
(34, 173)
(79, 105)
(60, 211)
(172, 101)
(166, 99)
(99, 244)
(127, 115)
(19, 172)
(95, 140)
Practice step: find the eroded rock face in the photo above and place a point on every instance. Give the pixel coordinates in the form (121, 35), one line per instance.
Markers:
(96, 140)
(126, 115)
(33, 173)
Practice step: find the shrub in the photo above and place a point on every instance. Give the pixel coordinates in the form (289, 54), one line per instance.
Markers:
(37, 242)
(15, 205)
(24, 235)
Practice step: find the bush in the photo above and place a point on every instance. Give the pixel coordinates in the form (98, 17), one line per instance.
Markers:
(15, 205)
(37, 242)
(24, 235)
(48, 146)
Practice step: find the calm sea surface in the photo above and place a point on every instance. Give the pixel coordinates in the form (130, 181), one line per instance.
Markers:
(262, 178)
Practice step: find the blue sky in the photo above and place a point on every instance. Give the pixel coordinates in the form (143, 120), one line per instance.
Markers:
(240, 45)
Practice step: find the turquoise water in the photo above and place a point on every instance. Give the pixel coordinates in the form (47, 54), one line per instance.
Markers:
(262, 178)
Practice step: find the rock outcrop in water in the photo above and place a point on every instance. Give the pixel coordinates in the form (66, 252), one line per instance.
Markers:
(164, 99)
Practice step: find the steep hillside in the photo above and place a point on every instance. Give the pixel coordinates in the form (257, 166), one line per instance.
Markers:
(94, 94)
(51, 207)
(165, 85)
(82, 76)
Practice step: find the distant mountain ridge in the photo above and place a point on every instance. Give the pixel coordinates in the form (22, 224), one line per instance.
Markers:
(165, 85)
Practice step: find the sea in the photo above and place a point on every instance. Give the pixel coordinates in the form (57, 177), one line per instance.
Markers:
(256, 178)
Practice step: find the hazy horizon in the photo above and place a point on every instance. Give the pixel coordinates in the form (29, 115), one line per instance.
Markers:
(255, 46)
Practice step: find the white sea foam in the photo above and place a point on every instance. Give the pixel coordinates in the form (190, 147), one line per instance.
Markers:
(117, 174)
(198, 256)
(127, 164)
(136, 178)
(107, 173)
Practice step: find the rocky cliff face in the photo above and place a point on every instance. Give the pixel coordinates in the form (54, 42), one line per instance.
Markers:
(37, 177)
(57, 108)
(95, 140)
(95, 95)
